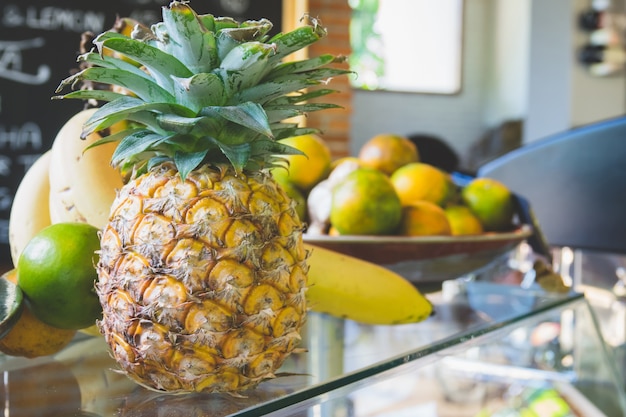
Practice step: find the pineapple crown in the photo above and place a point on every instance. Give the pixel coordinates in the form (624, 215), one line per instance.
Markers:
(198, 88)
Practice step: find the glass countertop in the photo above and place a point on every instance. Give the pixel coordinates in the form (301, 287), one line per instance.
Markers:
(82, 379)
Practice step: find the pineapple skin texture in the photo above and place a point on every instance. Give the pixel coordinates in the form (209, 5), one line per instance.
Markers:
(202, 282)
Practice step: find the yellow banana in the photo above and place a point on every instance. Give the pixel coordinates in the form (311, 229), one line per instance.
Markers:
(351, 288)
(82, 184)
(29, 212)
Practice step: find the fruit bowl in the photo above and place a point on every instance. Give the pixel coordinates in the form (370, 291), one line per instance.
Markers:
(426, 260)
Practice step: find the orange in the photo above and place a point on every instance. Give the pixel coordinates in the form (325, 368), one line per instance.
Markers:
(419, 181)
(30, 337)
(491, 201)
(423, 218)
(56, 272)
(307, 170)
(365, 203)
(387, 152)
(463, 221)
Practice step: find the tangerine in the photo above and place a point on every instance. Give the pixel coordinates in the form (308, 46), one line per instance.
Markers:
(463, 221)
(365, 203)
(419, 181)
(307, 170)
(387, 152)
(424, 218)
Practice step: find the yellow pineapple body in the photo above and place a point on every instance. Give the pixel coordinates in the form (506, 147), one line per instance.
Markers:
(202, 269)
(202, 281)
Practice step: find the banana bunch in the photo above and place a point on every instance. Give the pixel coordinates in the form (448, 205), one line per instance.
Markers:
(67, 184)
(64, 185)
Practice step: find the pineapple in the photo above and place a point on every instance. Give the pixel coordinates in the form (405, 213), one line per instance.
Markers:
(202, 270)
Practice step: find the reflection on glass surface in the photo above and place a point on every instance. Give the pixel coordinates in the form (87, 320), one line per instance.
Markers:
(484, 340)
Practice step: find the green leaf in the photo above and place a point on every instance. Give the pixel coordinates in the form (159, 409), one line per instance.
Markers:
(286, 130)
(297, 39)
(100, 95)
(301, 96)
(238, 154)
(160, 65)
(144, 88)
(187, 162)
(250, 115)
(228, 38)
(208, 21)
(264, 93)
(295, 67)
(267, 146)
(124, 107)
(135, 144)
(314, 74)
(156, 161)
(225, 23)
(250, 61)
(107, 61)
(188, 40)
(116, 137)
(110, 113)
(278, 113)
(178, 124)
(200, 90)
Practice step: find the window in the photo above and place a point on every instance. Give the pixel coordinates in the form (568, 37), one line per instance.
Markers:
(407, 45)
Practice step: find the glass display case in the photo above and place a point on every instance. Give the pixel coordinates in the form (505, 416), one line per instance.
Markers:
(489, 350)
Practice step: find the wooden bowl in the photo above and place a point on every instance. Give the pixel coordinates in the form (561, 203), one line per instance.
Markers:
(427, 259)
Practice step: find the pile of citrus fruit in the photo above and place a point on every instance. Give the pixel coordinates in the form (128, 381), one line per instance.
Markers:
(55, 277)
(387, 190)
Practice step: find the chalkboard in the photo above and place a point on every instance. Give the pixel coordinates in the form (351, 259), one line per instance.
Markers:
(38, 48)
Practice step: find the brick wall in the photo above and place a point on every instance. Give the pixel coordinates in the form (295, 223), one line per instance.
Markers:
(335, 123)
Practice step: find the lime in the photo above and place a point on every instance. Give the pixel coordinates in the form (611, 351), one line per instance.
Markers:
(29, 336)
(491, 201)
(56, 272)
(12, 303)
(365, 203)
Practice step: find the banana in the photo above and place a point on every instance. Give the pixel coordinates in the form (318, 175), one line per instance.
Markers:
(358, 290)
(82, 184)
(29, 212)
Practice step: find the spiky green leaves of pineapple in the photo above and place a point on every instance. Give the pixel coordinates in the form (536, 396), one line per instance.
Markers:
(197, 88)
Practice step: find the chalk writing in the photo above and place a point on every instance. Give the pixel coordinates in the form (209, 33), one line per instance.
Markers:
(5, 166)
(11, 62)
(6, 198)
(53, 18)
(21, 137)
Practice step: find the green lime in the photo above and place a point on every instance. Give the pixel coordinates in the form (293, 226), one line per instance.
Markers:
(490, 201)
(56, 272)
(365, 203)
(12, 303)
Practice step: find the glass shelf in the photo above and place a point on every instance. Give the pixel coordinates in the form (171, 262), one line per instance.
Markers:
(485, 343)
